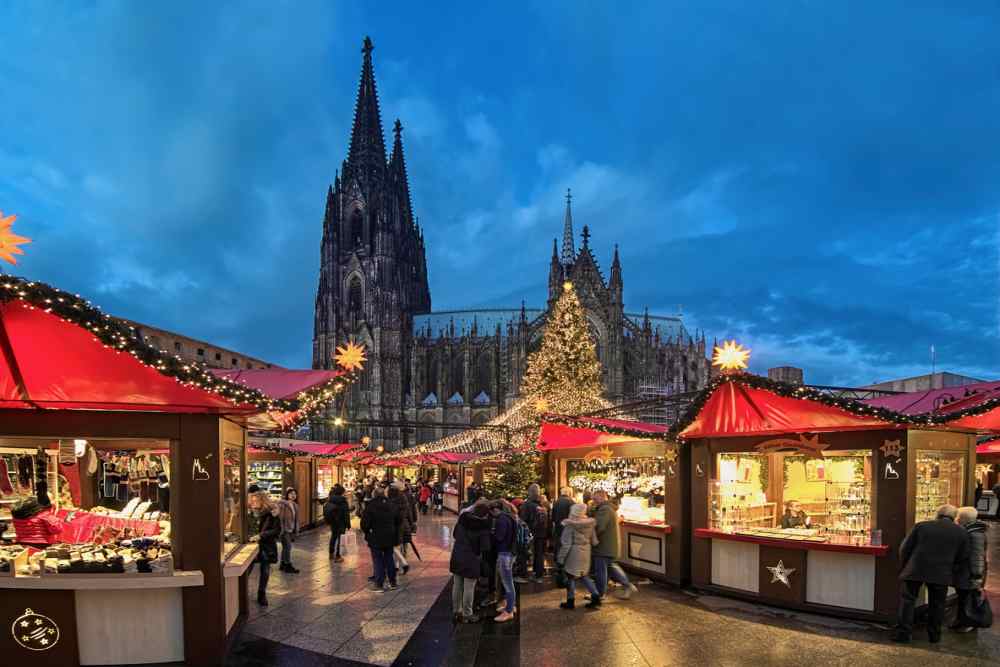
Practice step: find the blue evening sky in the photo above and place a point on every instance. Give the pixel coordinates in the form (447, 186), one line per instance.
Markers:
(820, 180)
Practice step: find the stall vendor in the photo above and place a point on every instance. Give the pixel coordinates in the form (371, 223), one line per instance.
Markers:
(794, 516)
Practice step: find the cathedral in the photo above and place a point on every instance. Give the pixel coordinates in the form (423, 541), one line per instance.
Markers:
(431, 373)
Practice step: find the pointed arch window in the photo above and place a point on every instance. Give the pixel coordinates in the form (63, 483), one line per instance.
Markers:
(357, 229)
(355, 302)
(484, 373)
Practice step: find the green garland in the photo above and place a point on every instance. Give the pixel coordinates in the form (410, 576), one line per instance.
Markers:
(117, 334)
(801, 392)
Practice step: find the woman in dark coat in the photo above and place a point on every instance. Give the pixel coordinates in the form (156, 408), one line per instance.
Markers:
(398, 497)
(269, 526)
(970, 599)
(337, 515)
(471, 539)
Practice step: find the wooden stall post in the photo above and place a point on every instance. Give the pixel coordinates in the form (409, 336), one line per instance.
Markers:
(196, 498)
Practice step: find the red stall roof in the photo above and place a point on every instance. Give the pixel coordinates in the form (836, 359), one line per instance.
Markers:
(735, 408)
(48, 362)
(946, 399)
(278, 382)
(560, 432)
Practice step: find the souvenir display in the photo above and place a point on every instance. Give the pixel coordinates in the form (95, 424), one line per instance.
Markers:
(138, 556)
(940, 480)
(636, 485)
(268, 476)
(821, 498)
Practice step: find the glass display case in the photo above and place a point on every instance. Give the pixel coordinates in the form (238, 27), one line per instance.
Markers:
(233, 529)
(940, 480)
(268, 475)
(326, 477)
(820, 498)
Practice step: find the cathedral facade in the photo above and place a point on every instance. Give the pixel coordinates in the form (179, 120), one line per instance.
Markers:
(429, 374)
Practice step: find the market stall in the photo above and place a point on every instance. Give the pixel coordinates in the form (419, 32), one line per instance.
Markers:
(115, 555)
(99, 561)
(801, 499)
(643, 472)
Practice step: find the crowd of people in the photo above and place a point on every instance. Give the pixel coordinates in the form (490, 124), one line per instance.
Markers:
(501, 543)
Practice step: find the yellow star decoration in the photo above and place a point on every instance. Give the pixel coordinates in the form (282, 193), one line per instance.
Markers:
(731, 356)
(892, 448)
(541, 405)
(9, 240)
(350, 357)
(670, 455)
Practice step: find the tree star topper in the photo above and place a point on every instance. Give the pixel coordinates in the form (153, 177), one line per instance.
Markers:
(781, 573)
(350, 357)
(9, 240)
(730, 357)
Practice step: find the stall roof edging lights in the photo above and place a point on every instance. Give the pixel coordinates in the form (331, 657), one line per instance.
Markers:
(740, 404)
(59, 352)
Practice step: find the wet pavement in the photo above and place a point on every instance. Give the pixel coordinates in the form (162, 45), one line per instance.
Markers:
(327, 610)
(325, 616)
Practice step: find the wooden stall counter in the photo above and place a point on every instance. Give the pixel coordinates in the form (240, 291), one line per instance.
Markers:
(452, 502)
(797, 572)
(644, 548)
(110, 619)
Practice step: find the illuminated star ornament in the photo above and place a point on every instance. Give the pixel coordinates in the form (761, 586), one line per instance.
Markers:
(731, 357)
(9, 241)
(781, 573)
(892, 448)
(350, 357)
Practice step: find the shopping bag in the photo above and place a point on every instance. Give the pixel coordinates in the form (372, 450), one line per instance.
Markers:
(561, 578)
(978, 609)
(349, 540)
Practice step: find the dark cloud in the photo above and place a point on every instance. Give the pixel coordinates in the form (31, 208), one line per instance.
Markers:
(815, 178)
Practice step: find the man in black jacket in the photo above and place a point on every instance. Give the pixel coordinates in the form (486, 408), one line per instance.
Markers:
(381, 524)
(337, 515)
(934, 554)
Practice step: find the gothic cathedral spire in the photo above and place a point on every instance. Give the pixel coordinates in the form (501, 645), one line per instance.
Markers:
(373, 269)
(568, 251)
(367, 152)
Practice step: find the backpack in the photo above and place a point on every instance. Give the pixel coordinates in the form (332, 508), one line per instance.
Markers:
(522, 535)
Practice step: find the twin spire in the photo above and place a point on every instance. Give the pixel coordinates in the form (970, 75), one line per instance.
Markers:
(367, 140)
(568, 250)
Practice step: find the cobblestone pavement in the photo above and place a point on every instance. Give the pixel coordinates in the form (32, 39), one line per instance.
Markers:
(325, 616)
(327, 609)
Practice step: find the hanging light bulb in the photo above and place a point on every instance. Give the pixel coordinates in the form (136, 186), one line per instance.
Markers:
(79, 447)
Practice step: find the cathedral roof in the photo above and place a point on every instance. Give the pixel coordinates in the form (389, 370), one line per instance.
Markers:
(433, 325)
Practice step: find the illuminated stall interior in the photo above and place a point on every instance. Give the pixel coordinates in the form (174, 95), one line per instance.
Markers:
(826, 497)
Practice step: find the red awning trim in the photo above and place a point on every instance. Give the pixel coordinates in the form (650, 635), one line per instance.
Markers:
(734, 408)
(556, 436)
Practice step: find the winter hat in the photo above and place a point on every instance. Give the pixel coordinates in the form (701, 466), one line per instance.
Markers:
(578, 511)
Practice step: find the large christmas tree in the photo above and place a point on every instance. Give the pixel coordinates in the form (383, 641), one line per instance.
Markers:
(564, 374)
